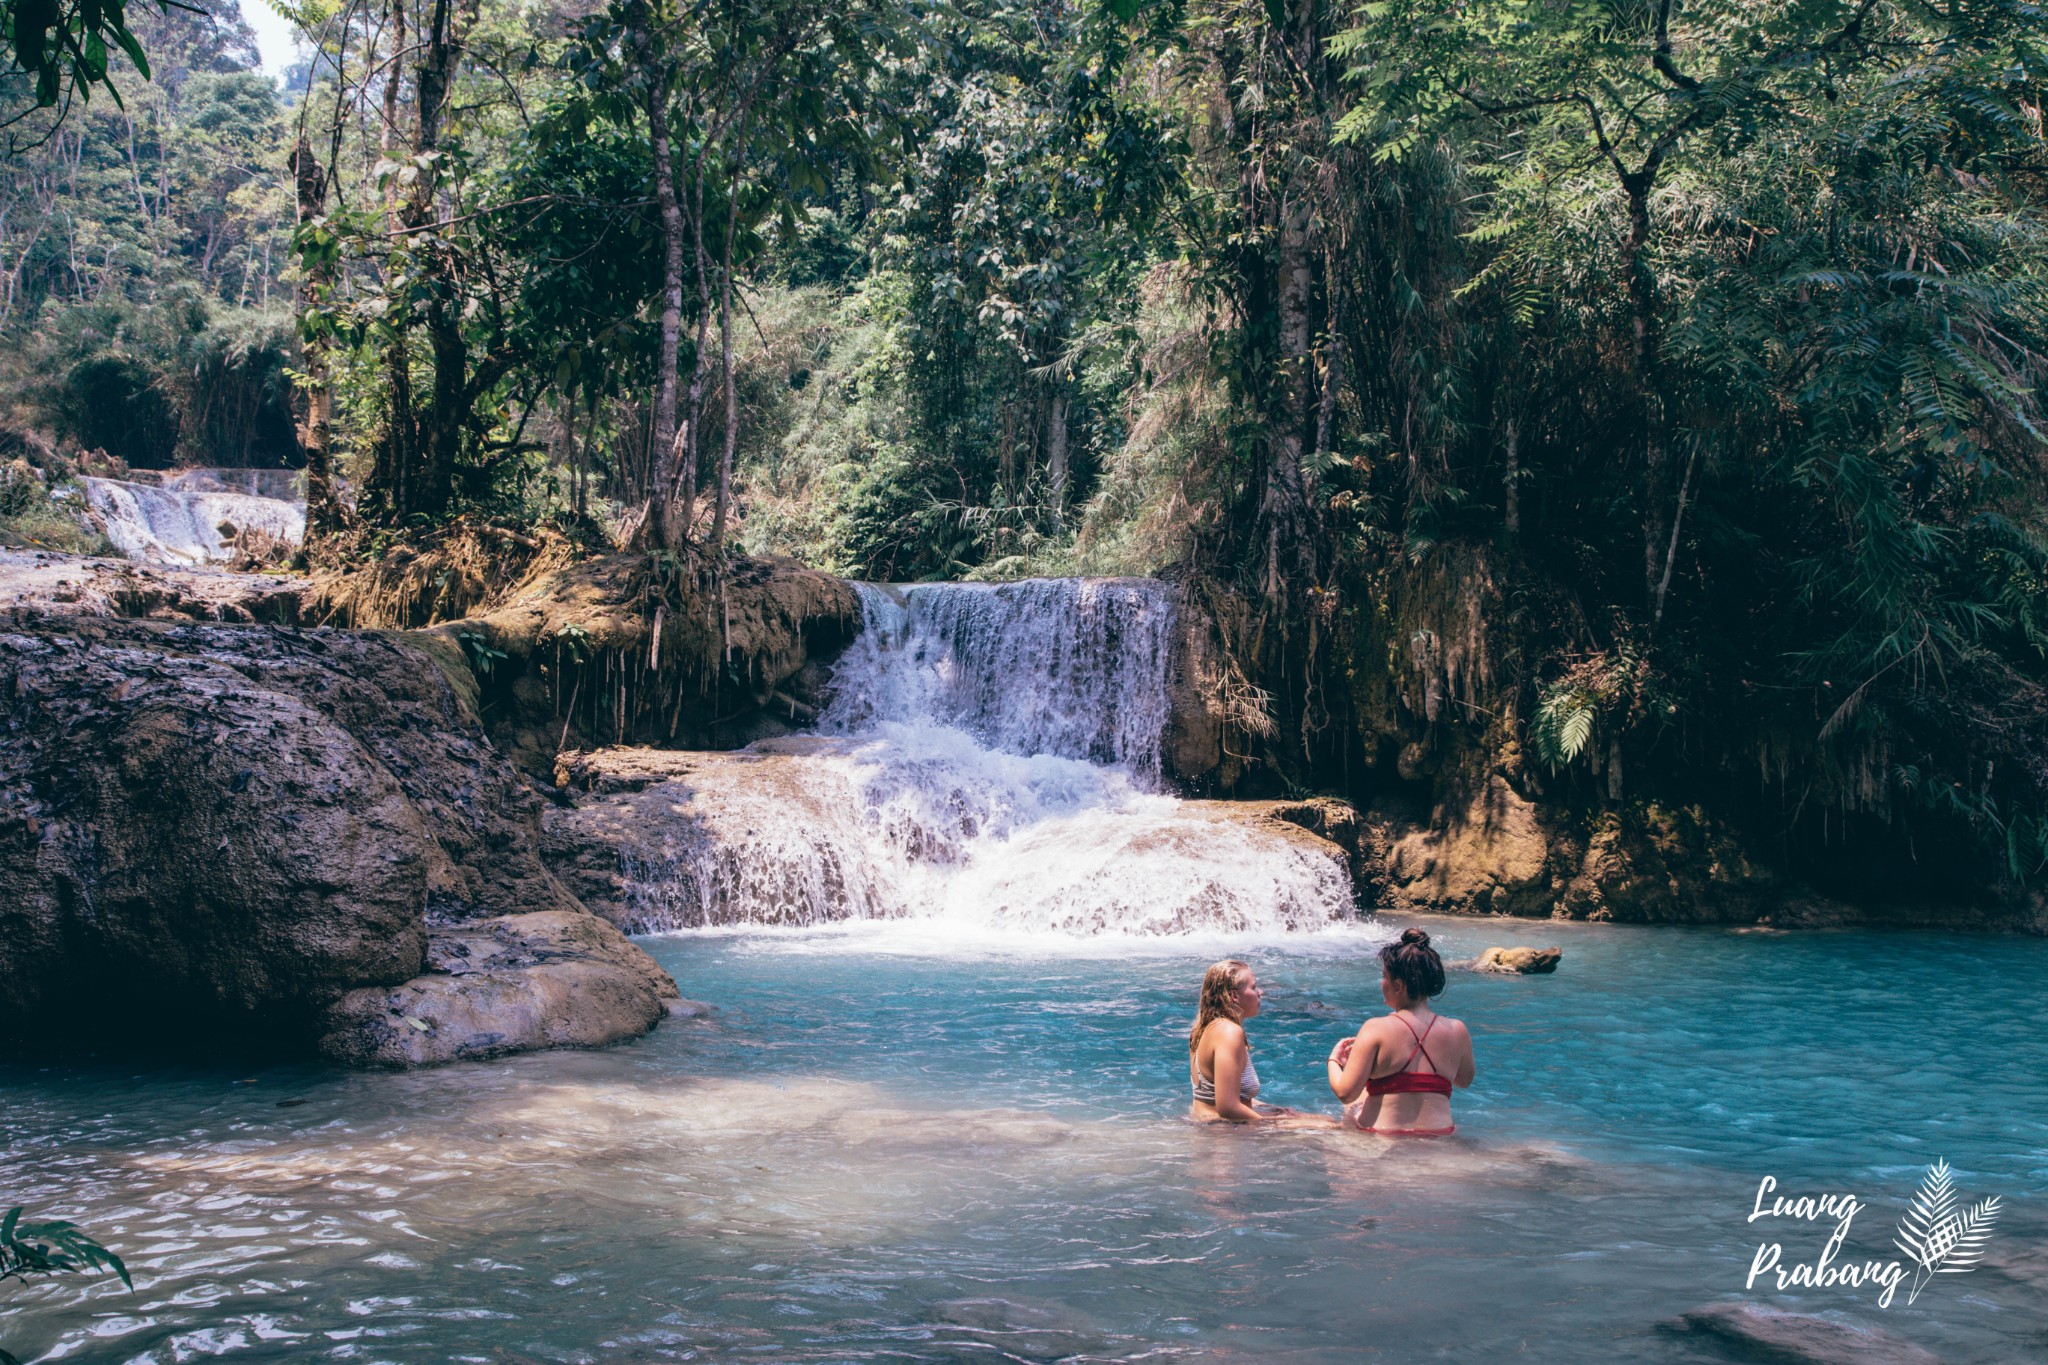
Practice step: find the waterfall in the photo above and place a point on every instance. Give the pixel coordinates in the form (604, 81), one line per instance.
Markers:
(195, 516)
(1073, 667)
(990, 761)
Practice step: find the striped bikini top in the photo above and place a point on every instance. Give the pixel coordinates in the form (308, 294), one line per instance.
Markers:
(1247, 1084)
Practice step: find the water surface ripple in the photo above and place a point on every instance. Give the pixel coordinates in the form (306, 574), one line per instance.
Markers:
(879, 1152)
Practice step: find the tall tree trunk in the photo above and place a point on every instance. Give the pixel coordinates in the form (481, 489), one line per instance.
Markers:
(1642, 293)
(1511, 487)
(1056, 446)
(399, 448)
(447, 31)
(414, 470)
(1289, 551)
(693, 432)
(664, 521)
(388, 135)
(309, 178)
(1333, 358)
(732, 408)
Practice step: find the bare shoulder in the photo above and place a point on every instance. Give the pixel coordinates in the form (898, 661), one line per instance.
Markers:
(1225, 1032)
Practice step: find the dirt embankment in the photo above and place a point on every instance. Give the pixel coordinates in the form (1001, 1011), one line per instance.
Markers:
(630, 649)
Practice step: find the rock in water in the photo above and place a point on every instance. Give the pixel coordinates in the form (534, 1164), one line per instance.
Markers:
(231, 828)
(513, 984)
(1519, 961)
(1765, 1334)
(177, 842)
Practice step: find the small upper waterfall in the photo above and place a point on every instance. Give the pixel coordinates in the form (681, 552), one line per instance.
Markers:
(197, 516)
(1071, 667)
(990, 760)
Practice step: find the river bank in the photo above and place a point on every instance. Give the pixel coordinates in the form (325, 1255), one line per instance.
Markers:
(369, 801)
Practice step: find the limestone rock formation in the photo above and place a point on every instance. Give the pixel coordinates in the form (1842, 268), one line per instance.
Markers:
(623, 812)
(40, 580)
(234, 826)
(1518, 961)
(658, 839)
(1333, 828)
(511, 984)
(1501, 853)
(1492, 856)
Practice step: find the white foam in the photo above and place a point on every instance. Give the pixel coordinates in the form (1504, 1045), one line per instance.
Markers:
(989, 779)
(1074, 667)
(183, 523)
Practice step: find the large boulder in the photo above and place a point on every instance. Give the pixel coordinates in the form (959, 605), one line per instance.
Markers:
(1518, 961)
(173, 839)
(512, 984)
(236, 826)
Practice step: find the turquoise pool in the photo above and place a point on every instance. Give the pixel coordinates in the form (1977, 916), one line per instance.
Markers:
(887, 1148)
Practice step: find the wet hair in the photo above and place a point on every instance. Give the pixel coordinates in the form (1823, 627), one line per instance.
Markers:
(1219, 997)
(1414, 964)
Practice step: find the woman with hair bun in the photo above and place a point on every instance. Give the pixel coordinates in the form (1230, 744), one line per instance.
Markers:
(1395, 1078)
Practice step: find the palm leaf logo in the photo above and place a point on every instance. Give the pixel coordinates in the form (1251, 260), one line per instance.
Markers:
(1940, 1238)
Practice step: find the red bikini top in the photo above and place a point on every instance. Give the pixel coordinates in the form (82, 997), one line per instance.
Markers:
(1406, 1082)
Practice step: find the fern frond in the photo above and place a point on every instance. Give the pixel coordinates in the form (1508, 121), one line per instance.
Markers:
(1577, 729)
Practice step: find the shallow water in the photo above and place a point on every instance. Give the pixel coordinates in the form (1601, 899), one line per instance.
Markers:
(889, 1146)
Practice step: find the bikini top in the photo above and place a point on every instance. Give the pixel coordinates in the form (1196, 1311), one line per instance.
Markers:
(1247, 1084)
(1406, 1082)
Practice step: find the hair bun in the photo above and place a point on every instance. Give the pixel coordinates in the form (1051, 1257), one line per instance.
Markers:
(1414, 964)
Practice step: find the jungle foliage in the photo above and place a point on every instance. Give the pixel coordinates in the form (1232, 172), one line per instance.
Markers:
(141, 248)
(36, 1250)
(1688, 351)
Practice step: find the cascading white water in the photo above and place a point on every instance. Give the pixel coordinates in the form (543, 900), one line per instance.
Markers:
(1063, 666)
(196, 517)
(990, 761)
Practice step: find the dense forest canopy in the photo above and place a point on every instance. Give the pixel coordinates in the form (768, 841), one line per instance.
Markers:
(1647, 392)
(142, 247)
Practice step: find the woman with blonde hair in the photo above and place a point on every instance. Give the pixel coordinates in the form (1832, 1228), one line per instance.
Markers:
(1226, 1084)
